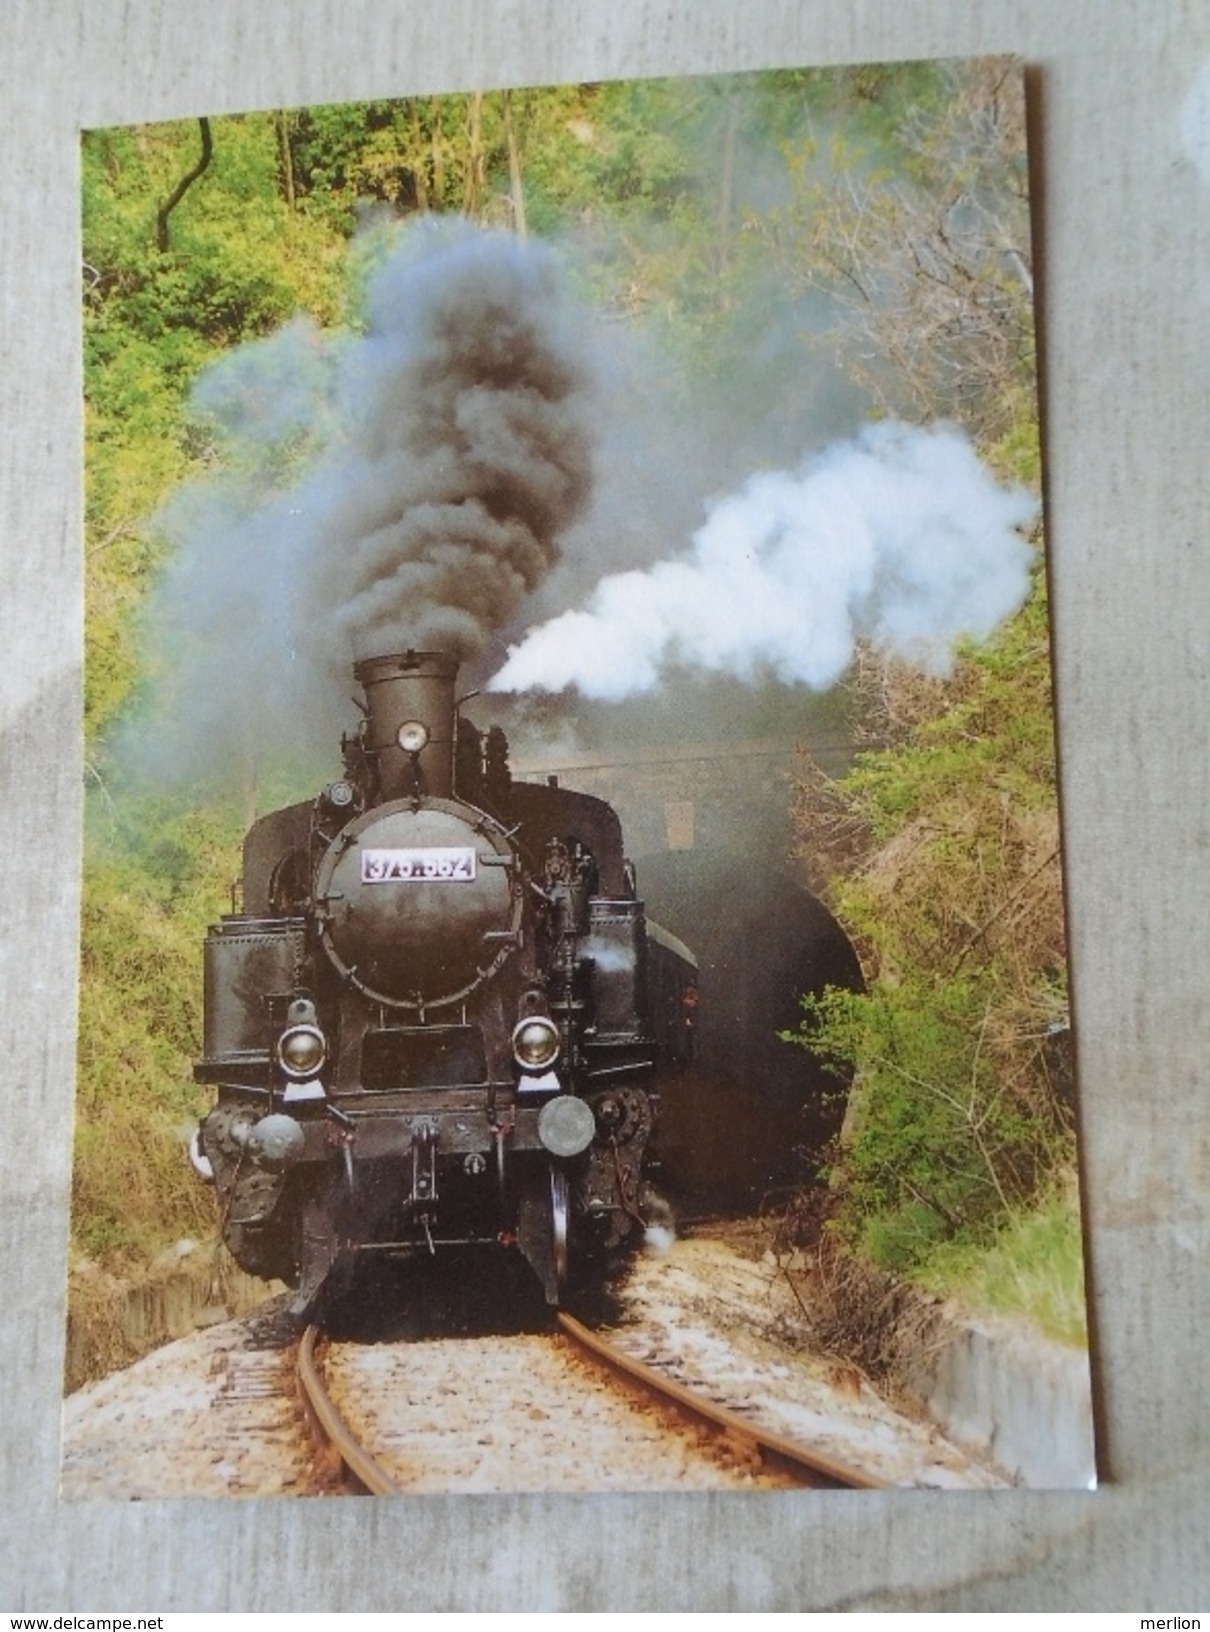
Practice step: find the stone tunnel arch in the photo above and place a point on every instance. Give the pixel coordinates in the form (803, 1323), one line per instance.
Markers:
(748, 1122)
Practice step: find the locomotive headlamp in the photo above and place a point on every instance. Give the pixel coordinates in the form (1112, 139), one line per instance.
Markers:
(536, 1043)
(412, 736)
(301, 1051)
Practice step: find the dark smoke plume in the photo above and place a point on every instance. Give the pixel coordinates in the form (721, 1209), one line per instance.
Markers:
(447, 450)
(471, 455)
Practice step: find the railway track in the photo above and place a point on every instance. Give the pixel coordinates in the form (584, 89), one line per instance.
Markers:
(361, 1472)
(475, 1393)
(737, 1442)
(803, 1463)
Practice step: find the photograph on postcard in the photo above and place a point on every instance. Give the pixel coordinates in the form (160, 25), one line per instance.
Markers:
(573, 985)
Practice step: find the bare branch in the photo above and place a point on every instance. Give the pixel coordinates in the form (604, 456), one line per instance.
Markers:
(182, 187)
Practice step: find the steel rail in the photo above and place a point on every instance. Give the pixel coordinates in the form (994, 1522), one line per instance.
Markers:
(772, 1447)
(367, 1475)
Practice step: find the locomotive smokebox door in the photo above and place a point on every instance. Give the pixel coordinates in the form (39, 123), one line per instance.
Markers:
(419, 903)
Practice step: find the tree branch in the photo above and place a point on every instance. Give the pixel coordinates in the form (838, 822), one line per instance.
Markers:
(181, 188)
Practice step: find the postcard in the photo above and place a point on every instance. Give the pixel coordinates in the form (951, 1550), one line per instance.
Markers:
(574, 980)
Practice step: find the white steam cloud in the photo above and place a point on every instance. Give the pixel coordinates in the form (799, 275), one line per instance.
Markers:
(901, 538)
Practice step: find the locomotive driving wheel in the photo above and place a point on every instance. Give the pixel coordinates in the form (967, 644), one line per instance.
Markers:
(559, 1207)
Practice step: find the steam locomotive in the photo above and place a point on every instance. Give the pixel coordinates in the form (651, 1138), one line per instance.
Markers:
(437, 1018)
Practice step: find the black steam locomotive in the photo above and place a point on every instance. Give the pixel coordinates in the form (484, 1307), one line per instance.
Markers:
(437, 1018)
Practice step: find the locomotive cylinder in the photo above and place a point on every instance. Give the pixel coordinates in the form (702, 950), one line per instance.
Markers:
(410, 689)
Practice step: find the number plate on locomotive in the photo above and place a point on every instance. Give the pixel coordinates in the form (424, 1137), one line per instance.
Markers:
(449, 863)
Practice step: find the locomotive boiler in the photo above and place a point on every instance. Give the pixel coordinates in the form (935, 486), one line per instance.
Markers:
(438, 1017)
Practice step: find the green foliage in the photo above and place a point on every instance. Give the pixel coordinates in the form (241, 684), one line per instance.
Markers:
(391, 153)
(239, 262)
(990, 737)
(675, 171)
(145, 907)
(943, 838)
(1034, 1267)
(954, 898)
(917, 229)
(939, 1148)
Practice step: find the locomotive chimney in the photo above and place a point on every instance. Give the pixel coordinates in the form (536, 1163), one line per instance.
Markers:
(410, 721)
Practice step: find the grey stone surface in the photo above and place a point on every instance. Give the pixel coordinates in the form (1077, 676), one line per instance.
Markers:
(1005, 1390)
(1124, 240)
